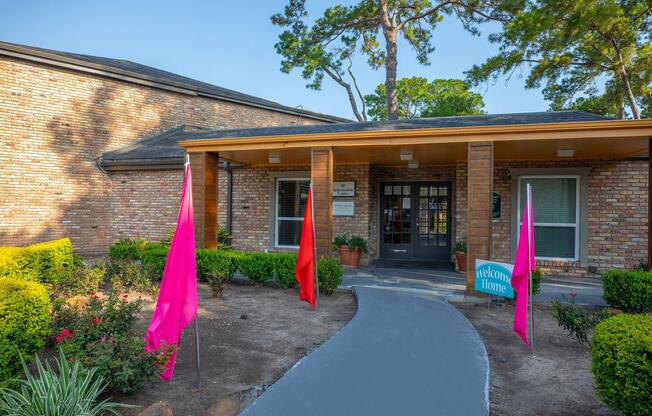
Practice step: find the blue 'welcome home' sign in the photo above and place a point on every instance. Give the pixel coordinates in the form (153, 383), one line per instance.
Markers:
(493, 277)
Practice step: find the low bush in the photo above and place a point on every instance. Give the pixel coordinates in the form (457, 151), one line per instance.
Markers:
(153, 259)
(128, 249)
(24, 322)
(258, 267)
(284, 266)
(578, 321)
(102, 335)
(330, 274)
(630, 291)
(127, 276)
(82, 279)
(70, 390)
(621, 362)
(216, 263)
(43, 262)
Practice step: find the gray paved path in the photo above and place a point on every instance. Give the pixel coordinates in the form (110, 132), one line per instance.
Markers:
(402, 354)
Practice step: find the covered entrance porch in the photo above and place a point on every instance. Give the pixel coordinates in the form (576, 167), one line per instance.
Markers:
(412, 207)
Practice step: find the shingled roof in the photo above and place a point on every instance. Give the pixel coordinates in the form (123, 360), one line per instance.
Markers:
(147, 75)
(164, 150)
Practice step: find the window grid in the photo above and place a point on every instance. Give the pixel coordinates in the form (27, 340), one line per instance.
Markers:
(277, 219)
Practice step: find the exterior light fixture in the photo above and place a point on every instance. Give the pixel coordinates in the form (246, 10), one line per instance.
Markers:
(565, 152)
(406, 154)
(274, 157)
(413, 164)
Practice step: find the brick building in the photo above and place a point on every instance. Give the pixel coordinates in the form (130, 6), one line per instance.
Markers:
(100, 158)
(60, 112)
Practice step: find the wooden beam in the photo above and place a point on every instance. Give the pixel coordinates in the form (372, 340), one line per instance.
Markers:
(204, 194)
(322, 193)
(479, 207)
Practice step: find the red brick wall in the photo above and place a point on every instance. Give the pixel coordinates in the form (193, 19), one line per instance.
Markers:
(55, 122)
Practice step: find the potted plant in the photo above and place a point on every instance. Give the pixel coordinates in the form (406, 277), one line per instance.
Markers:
(350, 247)
(460, 255)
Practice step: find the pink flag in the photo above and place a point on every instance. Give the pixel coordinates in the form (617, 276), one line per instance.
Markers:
(176, 306)
(523, 266)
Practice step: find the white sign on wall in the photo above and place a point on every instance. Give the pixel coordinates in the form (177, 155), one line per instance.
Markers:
(344, 188)
(343, 208)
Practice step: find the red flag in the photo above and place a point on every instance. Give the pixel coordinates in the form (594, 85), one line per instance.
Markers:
(523, 266)
(306, 261)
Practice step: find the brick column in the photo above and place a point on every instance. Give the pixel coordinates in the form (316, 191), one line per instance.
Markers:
(204, 195)
(322, 182)
(479, 201)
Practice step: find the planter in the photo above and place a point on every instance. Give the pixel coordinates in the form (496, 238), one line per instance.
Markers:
(349, 258)
(460, 259)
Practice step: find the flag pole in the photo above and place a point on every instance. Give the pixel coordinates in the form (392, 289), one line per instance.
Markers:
(314, 239)
(197, 359)
(529, 264)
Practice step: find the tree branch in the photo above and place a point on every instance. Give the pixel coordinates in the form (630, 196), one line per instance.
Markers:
(338, 78)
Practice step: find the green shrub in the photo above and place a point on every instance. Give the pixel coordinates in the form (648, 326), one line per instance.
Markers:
(128, 249)
(43, 262)
(82, 279)
(215, 263)
(330, 275)
(153, 259)
(71, 390)
(258, 267)
(284, 269)
(630, 291)
(102, 335)
(24, 322)
(130, 276)
(578, 321)
(352, 241)
(622, 363)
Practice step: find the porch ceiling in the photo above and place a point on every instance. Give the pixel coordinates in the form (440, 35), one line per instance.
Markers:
(441, 153)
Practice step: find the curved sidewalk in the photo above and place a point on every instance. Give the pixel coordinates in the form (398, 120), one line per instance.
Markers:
(402, 354)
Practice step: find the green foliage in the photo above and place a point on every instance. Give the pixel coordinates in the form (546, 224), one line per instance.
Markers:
(351, 241)
(621, 359)
(24, 322)
(71, 390)
(102, 335)
(330, 272)
(258, 267)
(223, 238)
(130, 276)
(43, 262)
(630, 291)
(578, 321)
(284, 267)
(537, 276)
(130, 249)
(153, 260)
(419, 98)
(460, 246)
(216, 267)
(597, 49)
(82, 279)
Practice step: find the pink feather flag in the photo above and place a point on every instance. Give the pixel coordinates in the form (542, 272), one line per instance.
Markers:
(176, 306)
(524, 265)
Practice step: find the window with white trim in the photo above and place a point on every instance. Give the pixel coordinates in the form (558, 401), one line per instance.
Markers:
(291, 197)
(556, 215)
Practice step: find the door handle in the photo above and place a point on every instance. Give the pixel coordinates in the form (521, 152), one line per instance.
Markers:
(395, 250)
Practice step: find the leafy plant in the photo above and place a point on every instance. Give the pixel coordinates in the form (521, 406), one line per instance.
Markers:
(258, 267)
(621, 362)
(82, 279)
(128, 275)
(101, 335)
(128, 249)
(24, 322)
(284, 266)
(72, 390)
(630, 291)
(578, 321)
(329, 272)
(42, 262)
(223, 237)
(352, 241)
(460, 246)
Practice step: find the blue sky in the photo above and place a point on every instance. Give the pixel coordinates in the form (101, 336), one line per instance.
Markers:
(231, 44)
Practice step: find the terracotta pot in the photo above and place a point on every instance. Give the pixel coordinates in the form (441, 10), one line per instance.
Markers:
(460, 258)
(349, 258)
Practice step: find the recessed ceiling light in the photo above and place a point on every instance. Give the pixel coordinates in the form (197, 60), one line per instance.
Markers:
(274, 157)
(565, 152)
(406, 154)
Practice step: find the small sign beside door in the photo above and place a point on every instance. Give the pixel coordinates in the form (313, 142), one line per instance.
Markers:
(343, 208)
(344, 188)
(494, 278)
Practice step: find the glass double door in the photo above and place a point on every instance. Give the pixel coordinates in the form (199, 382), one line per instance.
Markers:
(415, 221)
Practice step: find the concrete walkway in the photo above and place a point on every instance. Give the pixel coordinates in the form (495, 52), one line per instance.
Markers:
(452, 284)
(402, 354)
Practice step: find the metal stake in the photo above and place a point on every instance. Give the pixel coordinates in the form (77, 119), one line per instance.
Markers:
(529, 267)
(314, 240)
(197, 353)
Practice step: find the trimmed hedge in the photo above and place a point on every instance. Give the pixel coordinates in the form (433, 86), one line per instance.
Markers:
(621, 359)
(43, 262)
(630, 291)
(128, 249)
(24, 322)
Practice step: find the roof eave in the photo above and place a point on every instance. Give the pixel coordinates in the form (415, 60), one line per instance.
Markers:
(113, 165)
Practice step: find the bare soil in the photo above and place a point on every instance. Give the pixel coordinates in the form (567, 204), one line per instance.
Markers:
(248, 338)
(556, 380)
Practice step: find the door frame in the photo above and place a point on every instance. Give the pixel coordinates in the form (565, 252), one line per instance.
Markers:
(379, 212)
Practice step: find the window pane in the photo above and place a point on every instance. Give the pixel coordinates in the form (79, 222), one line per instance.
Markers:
(554, 199)
(554, 242)
(291, 198)
(289, 232)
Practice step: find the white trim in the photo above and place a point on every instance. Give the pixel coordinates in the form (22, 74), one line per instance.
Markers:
(276, 217)
(575, 225)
